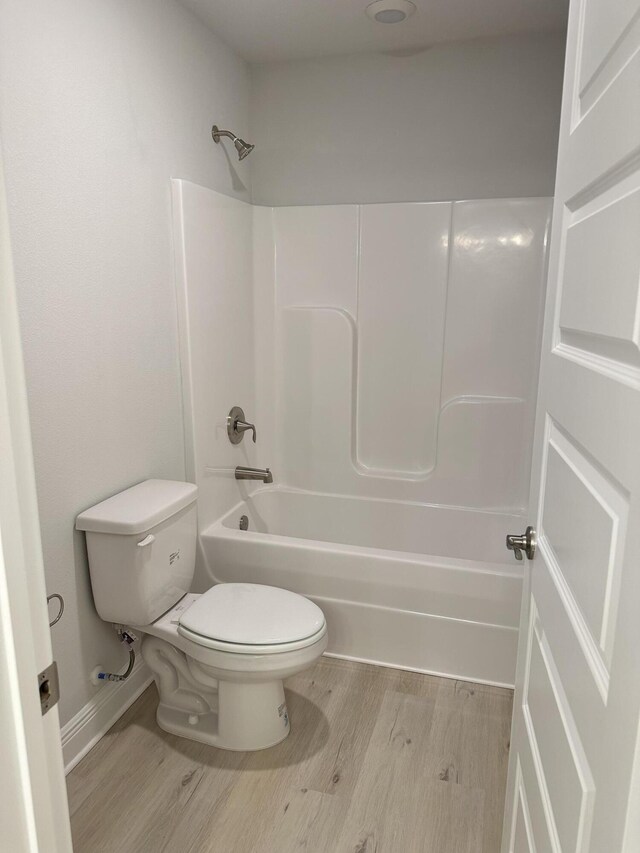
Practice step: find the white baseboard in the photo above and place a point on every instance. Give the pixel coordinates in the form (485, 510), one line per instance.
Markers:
(84, 730)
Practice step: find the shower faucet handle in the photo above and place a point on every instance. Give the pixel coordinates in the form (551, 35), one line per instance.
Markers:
(237, 426)
(243, 426)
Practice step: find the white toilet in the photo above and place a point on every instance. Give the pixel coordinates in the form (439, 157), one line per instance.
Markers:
(218, 658)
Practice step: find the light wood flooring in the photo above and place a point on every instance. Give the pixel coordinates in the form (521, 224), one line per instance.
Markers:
(377, 761)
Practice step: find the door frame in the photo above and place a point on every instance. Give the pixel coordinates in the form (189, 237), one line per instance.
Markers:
(34, 812)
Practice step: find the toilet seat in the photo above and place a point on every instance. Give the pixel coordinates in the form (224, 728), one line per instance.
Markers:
(243, 618)
(247, 649)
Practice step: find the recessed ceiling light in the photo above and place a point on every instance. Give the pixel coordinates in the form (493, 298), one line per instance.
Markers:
(390, 11)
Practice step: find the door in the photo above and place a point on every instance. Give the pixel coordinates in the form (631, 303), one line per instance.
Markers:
(34, 814)
(574, 764)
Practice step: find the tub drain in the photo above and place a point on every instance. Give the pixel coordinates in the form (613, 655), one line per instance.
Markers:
(244, 522)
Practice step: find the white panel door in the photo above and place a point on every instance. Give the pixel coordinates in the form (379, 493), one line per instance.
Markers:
(574, 766)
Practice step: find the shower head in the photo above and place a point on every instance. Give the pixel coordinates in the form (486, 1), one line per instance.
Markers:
(243, 148)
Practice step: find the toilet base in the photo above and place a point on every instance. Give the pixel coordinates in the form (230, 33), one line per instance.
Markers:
(249, 717)
(227, 699)
(203, 703)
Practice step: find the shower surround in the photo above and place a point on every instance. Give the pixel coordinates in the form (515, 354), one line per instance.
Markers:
(388, 356)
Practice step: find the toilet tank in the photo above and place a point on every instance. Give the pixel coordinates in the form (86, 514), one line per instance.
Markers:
(142, 550)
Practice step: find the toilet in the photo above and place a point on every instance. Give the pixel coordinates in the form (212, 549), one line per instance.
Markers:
(218, 658)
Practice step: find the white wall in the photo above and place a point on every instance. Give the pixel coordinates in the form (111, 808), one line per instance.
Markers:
(100, 105)
(469, 120)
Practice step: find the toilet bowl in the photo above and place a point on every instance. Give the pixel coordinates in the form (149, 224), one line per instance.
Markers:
(230, 693)
(218, 658)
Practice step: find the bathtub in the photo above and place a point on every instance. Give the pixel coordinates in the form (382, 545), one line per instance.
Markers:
(411, 586)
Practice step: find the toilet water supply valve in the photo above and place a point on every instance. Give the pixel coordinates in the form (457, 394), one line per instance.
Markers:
(128, 639)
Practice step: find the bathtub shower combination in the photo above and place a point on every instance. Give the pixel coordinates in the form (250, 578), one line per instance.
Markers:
(387, 355)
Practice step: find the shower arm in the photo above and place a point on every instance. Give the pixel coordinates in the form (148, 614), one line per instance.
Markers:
(243, 148)
(216, 134)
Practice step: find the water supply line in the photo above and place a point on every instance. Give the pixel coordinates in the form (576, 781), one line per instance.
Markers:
(128, 639)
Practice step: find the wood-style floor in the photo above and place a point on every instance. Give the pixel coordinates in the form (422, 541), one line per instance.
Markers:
(377, 760)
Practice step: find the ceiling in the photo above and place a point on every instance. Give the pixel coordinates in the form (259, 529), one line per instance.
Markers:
(271, 30)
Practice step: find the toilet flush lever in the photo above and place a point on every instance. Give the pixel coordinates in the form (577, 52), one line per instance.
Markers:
(147, 540)
(526, 543)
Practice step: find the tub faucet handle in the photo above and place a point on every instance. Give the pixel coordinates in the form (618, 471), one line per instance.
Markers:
(237, 426)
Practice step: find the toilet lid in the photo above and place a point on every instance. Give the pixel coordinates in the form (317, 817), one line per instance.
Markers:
(252, 614)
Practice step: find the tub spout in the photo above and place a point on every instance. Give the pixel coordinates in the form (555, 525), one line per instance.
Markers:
(263, 474)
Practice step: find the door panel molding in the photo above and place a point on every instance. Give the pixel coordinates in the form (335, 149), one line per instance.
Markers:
(594, 490)
(521, 828)
(532, 744)
(548, 703)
